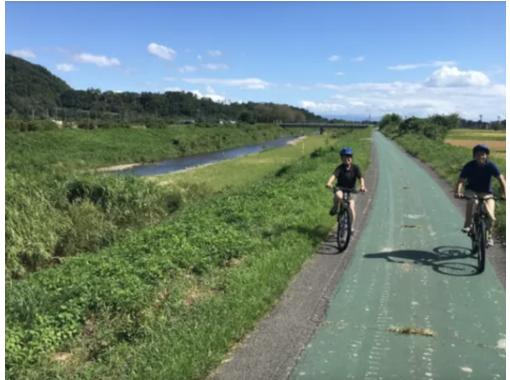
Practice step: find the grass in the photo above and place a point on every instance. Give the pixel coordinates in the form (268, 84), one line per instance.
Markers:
(169, 302)
(76, 149)
(249, 169)
(56, 207)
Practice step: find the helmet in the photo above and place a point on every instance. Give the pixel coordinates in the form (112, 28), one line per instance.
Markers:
(347, 151)
(481, 148)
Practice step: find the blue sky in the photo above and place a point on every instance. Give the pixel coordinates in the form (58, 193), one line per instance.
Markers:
(333, 58)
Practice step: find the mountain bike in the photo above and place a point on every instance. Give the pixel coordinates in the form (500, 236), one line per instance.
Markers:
(344, 219)
(479, 231)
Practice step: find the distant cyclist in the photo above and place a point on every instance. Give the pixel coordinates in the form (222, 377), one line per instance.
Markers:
(476, 176)
(345, 176)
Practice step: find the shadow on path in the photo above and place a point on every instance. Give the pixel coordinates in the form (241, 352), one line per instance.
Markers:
(443, 259)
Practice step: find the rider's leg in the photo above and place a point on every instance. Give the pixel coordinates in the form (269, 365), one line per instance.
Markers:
(468, 220)
(490, 207)
(353, 213)
(336, 202)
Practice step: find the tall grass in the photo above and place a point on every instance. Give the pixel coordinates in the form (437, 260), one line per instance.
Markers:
(55, 209)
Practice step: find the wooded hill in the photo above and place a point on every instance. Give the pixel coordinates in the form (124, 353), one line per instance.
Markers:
(31, 91)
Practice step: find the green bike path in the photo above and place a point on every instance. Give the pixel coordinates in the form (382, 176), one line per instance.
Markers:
(411, 268)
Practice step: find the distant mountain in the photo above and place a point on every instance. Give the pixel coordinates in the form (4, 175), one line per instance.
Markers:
(32, 91)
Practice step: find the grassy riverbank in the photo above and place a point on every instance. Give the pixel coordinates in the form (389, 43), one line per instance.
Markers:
(76, 149)
(57, 208)
(234, 174)
(170, 301)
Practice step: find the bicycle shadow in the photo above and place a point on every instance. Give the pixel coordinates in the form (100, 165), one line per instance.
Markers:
(440, 259)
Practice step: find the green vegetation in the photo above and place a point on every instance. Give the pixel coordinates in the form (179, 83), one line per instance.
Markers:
(170, 301)
(445, 159)
(213, 179)
(435, 127)
(56, 207)
(32, 91)
(74, 149)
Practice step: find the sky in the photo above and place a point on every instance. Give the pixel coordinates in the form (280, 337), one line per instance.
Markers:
(336, 59)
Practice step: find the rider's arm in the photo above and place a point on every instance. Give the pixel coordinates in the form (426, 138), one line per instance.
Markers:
(331, 180)
(502, 183)
(362, 187)
(459, 187)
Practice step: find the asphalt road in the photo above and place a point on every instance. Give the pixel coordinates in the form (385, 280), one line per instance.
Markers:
(409, 268)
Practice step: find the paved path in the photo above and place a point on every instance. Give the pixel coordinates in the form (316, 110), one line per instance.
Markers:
(411, 268)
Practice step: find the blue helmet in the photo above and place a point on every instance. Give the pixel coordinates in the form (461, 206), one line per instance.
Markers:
(347, 151)
(481, 148)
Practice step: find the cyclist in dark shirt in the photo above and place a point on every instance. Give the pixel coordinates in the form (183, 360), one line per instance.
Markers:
(345, 176)
(476, 176)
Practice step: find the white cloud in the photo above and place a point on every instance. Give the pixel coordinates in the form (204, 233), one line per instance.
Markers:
(161, 51)
(339, 73)
(23, 53)
(170, 79)
(334, 58)
(215, 53)
(187, 69)
(246, 83)
(215, 66)
(172, 89)
(358, 59)
(65, 67)
(412, 66)
(199, 57)
(451, 76)
(298, 87)
(99, 60)
(211, 95)
(410, 98)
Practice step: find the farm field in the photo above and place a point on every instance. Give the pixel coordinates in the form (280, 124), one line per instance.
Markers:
(467, 138)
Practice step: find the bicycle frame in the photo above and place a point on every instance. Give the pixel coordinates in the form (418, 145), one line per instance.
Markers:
(479, 230)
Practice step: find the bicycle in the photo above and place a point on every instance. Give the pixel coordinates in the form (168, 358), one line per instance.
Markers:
(479, 232)
(344, 219)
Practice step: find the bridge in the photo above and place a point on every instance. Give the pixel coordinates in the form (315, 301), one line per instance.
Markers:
(324, 125)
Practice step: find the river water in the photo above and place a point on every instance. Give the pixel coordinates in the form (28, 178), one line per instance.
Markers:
(182, 163)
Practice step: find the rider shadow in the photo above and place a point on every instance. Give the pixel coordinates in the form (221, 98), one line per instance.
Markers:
(440, 259)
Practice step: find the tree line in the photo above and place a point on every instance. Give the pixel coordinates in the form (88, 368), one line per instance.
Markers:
(32, 92)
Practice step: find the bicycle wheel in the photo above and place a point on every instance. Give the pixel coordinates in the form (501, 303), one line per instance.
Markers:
(482, 245)
(343, 233)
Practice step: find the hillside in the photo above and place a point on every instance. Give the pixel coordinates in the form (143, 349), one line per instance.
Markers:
(32, 91)
(30, 88)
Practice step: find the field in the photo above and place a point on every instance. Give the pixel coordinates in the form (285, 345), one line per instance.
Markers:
(468, 138)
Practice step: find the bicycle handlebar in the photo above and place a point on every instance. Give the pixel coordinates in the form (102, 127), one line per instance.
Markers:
(345, 189)
(476, 197)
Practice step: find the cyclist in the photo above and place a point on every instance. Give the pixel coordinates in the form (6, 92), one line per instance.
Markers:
(476, 176)
(345, 176)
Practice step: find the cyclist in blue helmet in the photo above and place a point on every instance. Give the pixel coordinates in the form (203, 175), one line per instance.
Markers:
(476, 176)
(345, 176)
